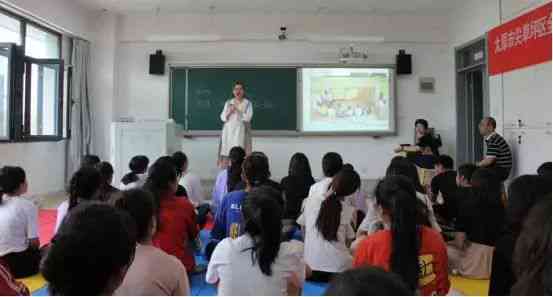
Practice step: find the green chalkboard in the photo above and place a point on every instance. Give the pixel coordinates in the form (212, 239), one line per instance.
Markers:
(199, 94)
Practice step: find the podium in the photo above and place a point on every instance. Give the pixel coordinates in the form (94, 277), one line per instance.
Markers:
(150, 138)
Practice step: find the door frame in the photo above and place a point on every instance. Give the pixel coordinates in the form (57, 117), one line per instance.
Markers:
(462, 153)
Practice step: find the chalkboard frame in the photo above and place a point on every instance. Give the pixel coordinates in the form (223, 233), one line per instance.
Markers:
(299, 100)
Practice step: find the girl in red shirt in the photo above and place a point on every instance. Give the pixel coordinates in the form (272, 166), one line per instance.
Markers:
(416, 253)
(176, 218)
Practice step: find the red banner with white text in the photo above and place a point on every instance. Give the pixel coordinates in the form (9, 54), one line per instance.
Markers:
(521, 42)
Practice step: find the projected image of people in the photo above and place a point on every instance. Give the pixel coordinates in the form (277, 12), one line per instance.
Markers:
(346, 99)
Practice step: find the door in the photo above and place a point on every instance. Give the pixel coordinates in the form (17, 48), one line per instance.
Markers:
(472, 100)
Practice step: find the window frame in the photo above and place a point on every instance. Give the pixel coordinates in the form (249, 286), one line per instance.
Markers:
(18, 129)
(27, 136)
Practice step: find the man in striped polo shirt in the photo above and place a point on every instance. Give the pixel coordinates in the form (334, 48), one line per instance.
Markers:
(498, 153)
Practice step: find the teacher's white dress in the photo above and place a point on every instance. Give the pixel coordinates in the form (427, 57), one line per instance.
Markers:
(236, 130)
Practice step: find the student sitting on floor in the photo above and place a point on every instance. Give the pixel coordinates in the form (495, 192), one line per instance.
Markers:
(373, 222)
(413, 251)
(84, 187)
(228, 221)
(532, 256)
(478, 226)
(137, 177)
(19, 244)
(326, 222)
(106, 189)
(9, 286)
(368, 281)
(228, 179)
(524, 192)
(408, 169)
(153, 272)
(443, 190)
(176, 218)
(91, 252)
(296, 185)
(332, 164)
(190, 181)
(258, 262)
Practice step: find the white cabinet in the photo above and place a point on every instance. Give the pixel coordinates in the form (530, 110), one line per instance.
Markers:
(152, 139)
(530, 147)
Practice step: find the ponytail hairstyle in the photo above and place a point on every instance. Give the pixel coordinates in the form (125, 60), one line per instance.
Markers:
(179, 159)
(11, 179)
(137, 165)
(262, 222)
(236, 156)
(160, 176)
(396, 196)
(84, 185)
(404, 167)
(345, 183)
(255, 169)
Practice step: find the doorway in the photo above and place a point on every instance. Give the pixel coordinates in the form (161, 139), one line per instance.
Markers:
(472, 99)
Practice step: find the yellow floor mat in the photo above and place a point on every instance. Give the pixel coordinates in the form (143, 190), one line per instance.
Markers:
(470, 287)
(34, 282)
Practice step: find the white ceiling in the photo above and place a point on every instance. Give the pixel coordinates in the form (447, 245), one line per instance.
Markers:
(368, 7)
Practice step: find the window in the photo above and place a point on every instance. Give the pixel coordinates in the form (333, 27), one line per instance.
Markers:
(42, 103)
(31, 81)
(5, 75)
(10, 29)
(41, 44)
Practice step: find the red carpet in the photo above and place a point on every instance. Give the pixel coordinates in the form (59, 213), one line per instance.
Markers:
(46, 225)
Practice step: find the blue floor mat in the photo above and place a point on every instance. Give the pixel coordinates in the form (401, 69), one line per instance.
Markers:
(41, 292)
(314, 289)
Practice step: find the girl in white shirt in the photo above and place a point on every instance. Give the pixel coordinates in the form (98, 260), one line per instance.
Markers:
(258, 262)
(136, 178)
(19, 243)
(326, 222)
(84, 187)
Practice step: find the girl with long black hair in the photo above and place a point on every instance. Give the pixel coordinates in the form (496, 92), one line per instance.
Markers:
(228, 179)
(479, 225)
(84, 187)
(175, 216)
(296, 185)
(413, 251)
(326, 222)
(257, 262)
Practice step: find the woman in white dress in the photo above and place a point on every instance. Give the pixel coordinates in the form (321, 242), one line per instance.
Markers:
(236, 115)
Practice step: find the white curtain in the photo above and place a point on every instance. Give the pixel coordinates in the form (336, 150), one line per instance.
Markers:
(81, 122)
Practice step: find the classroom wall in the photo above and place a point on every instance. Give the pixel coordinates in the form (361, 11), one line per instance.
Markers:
(102, 79)
(147, 97)
(523, 94)
(44, 162)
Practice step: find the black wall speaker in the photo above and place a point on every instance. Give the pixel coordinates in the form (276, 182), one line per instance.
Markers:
(157, 63)
(403, 63)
